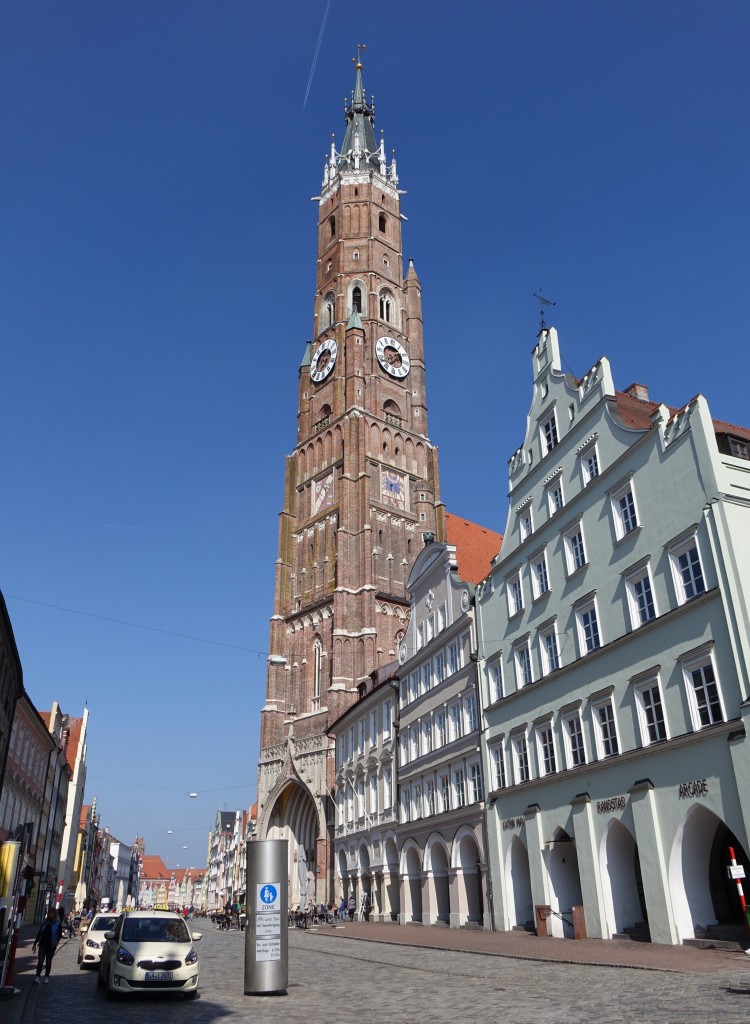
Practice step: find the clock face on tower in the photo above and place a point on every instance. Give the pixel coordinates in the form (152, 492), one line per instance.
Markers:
(392, 356)
(323, 361)
(393, 489)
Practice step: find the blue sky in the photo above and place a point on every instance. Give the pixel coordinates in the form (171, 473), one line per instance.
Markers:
(157, 277)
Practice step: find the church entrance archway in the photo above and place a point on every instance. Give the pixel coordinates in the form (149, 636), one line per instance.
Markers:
(621, 880)
(565, 884)
(520, 908)
(703, 896)
(294, 817)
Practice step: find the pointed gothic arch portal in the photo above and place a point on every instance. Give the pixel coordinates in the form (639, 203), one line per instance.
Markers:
(622, 887)
(703, 896)
(565, 883)
(294, 817)
(520, 905)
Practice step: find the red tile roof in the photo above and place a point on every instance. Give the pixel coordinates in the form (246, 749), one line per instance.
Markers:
(475, 545)
(154, 867)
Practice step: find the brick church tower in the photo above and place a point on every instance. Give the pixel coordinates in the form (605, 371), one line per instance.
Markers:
(361, 490)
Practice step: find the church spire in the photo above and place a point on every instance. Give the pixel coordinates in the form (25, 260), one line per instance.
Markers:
(360, 152)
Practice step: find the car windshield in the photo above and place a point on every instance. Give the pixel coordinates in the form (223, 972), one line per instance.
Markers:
(155, 929)
(102, 923)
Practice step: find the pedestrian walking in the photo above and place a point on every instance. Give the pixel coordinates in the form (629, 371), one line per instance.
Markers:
(47, 939)
(352, 907)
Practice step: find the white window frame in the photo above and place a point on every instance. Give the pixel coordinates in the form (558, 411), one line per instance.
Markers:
(545, 748)
(373, 794)
(459, 788)
(426, 736)
(701, 707)
(374, 728)
(387, 719)
(414, 685)
(539, 571)
(439, 667)
(454, 657)
(430, 797)
(549, 435)
(476, 790)
(498, 763)
(426, 677)
(652, 718)
(387, 789)
(548, 662)
(523, 664)
(553, 488)
(497, 691)
(640, 588)
(589, 462)
(525, 521)
(441, 620)
(521, 764)
(576, 557)
(470, 713)
(441, 729)
(445, 792)
(420, 636)
(454, 722)
(574, 740)
(628, 522)
(607, 736)
(697, 583)
(584, 611)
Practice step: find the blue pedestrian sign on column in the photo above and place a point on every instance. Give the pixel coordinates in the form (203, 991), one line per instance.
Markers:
(268, 894)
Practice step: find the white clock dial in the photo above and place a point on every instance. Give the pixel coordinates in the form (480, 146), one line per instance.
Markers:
(392, 356)
(324, 360)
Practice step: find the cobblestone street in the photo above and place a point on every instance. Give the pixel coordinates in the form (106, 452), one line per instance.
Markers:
(334, 977)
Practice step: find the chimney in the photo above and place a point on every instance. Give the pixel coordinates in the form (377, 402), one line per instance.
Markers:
(639, 391)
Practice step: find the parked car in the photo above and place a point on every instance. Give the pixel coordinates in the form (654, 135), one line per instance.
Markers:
(91, 939)
(149, 951)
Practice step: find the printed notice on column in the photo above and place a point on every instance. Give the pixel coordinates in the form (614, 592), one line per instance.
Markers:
(267, 949)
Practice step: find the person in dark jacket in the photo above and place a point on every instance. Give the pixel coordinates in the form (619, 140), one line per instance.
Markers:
(47, 939)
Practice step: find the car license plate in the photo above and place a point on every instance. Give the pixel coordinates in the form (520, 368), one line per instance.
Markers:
(158, 975)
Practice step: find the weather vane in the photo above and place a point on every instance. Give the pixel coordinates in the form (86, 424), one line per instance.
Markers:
(358, 60)
(542, 303)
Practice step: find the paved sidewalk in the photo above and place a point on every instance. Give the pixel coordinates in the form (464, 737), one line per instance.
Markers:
(527, 946)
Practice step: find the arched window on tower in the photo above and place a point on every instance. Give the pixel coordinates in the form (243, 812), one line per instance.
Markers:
(357, 299)
(381, 222)
(317, 673)
(385, 307)
(330, 310)
(332, 226)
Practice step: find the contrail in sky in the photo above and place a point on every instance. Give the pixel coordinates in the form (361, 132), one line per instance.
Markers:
(317, 51)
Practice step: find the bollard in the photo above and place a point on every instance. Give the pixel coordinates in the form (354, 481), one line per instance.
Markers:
(266, 937)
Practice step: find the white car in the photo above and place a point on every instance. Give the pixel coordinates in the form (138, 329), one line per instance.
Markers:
(149, 951)
(92, 939)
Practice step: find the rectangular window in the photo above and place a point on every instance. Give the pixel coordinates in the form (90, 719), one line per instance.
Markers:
(361, 736)
(575, 549)
(387, 788)
(574, 748)
(740, 449)
(470, 713)
(387, 719)
(703, 690)
(546, 749)
(606, 729)
(555, 499)
(413, 685)
(687, 569)
(588, 627)
(441, 729)
(439, 668)
(548, 432)
(651, 712)
(521, 759)
(624, 510)
(420, 636)
(441, 618)
(403, 748)
(373, 794)
(373, 728)
(539, 575)
(430, 628)
(515, 594)
(522, 655)
(426, 676)
(405, 804)
(426, 736)
(418, 809)
(413, 742)
(549, 649)
(589, 464)
(525, 523)
(352, 738)
(454, 722)
(496, 681)
(430, 798)
(445, 793)
(498, 762)
(640, 596)
(360, 798)
(453, 663)
(475, 784)
(460, 787)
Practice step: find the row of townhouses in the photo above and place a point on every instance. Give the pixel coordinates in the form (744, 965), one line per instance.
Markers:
(562, 742)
